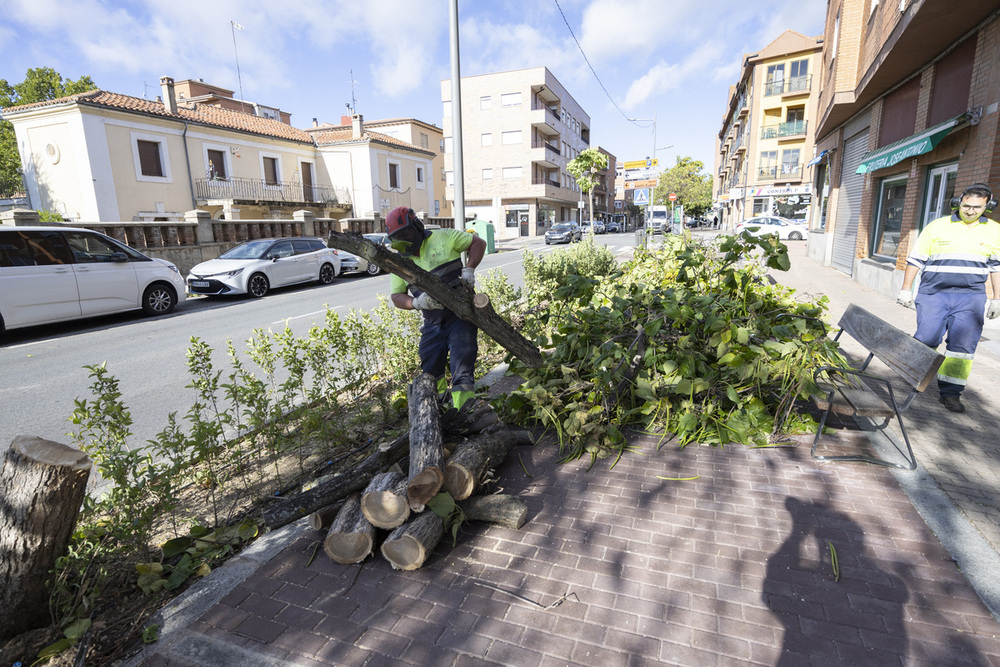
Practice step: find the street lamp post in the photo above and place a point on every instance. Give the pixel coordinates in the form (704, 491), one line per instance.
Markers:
(653, 156)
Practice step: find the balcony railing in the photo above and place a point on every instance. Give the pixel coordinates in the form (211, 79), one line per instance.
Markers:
(785, 172)
(787, 129)
(797, 84)
(253, 189)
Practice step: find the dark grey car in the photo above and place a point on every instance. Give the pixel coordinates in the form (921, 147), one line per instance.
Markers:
(563, 232)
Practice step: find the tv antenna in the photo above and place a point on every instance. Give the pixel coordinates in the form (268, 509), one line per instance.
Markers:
(236, 26)
(353, 105)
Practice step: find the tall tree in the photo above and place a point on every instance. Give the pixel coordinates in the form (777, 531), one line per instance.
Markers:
(686, 180)
(584, 168)
(40, 84)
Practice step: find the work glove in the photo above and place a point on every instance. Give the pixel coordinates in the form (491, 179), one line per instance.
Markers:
(426, 302)
(905, 298)
(993, 309)
(469, 277)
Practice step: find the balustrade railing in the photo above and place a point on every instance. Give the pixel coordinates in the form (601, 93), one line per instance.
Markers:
(255, 189)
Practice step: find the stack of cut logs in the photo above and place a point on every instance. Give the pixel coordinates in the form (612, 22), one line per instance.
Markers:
(395, 501)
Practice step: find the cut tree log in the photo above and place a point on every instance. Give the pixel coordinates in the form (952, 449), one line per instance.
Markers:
(501, 509)
(408, 546)
(470, 460)
(384, 500)
(458, 299)
(426, 443)
(286, 510)
(322, 519)
(42, 486)
(351, 537)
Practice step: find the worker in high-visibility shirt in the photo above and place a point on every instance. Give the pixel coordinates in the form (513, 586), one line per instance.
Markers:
(954, 255)
(444, 336)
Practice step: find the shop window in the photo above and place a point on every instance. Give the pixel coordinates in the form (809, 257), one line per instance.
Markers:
(889, 217)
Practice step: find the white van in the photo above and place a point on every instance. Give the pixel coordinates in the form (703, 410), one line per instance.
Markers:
(52, 274)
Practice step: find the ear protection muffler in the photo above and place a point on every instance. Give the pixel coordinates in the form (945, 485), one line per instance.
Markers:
(991, 202)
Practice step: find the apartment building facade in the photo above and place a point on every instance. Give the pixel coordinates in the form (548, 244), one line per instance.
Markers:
(766, 134)
(908, 118)
(519, 131)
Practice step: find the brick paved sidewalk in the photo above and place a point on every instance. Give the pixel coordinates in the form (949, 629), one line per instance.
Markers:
(731, 568)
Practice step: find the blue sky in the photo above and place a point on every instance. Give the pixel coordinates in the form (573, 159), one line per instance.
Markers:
(673, 59)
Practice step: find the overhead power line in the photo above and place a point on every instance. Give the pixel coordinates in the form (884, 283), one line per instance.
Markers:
(587, 60)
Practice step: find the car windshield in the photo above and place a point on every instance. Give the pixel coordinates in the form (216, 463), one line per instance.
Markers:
(562, 227)
(251, 250)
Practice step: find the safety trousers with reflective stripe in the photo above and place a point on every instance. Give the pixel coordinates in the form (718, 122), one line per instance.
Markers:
(959, 315)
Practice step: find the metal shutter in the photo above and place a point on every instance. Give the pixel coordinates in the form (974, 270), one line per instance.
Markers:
(845, 234)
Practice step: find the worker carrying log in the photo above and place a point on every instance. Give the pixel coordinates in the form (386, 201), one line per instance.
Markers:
(444, 333)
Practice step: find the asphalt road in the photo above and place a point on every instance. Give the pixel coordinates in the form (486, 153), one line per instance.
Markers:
(43, 367)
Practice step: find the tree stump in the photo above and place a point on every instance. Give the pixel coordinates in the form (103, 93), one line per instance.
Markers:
(384, 501)
(42, 486)
(408, 546)
(426, 443)
(501, 509)
(474, 457)
(351, 537)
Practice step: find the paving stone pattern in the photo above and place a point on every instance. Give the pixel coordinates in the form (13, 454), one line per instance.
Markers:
(733, 567)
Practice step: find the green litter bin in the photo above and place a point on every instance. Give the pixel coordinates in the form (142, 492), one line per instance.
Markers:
(486, 231)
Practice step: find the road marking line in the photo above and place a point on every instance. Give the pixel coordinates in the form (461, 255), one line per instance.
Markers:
(297, 317)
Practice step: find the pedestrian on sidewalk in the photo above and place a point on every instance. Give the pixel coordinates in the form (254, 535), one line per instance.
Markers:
(953, 255)
(444, 334)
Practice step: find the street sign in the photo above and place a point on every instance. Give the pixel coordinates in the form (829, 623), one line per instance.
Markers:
(672, 197)
(632, 185)
(640, 164)
(641, 197)
(579, 204)
(640, 174)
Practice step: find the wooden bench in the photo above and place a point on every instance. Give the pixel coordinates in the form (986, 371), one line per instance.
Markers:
(911, 362)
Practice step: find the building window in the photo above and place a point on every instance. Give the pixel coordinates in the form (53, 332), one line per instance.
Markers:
(509, 138)
(485, 102)
(444, 175)
(487, 174)
(270, 169)
(486, 139)
(395, 180)
(149, 158)
(775, 79)
(790, 166)
(511, 173)
(824, 193)
(768, 168)
(420, 177)
(424, 140)
(889, 218)
(952, 82)
(441, 145)
(510, 99)
(798, 76)
(216, 164)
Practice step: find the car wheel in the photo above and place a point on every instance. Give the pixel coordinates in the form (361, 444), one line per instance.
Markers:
(794, 236)
(373, 269)
(158, 299)
(257, 285)
(326, 274)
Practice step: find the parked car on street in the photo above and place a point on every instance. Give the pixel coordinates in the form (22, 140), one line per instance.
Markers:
(256, 267)
(771, 224)
(563, 232)
(53, 274)
(612, 227)
(377, 238)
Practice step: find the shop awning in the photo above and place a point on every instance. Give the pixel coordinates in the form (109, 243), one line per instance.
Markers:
(817, 159)
(917, 144)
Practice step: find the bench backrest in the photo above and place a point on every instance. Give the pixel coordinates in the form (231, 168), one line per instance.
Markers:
(905, 355)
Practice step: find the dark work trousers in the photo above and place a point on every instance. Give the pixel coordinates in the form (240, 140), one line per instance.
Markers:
(455, 335)
(960, 315)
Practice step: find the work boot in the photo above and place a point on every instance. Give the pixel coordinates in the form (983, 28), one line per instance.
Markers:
(953, 403)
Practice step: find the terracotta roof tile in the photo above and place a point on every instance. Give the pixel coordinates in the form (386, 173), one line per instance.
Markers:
(201, 113)
(344, 135)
